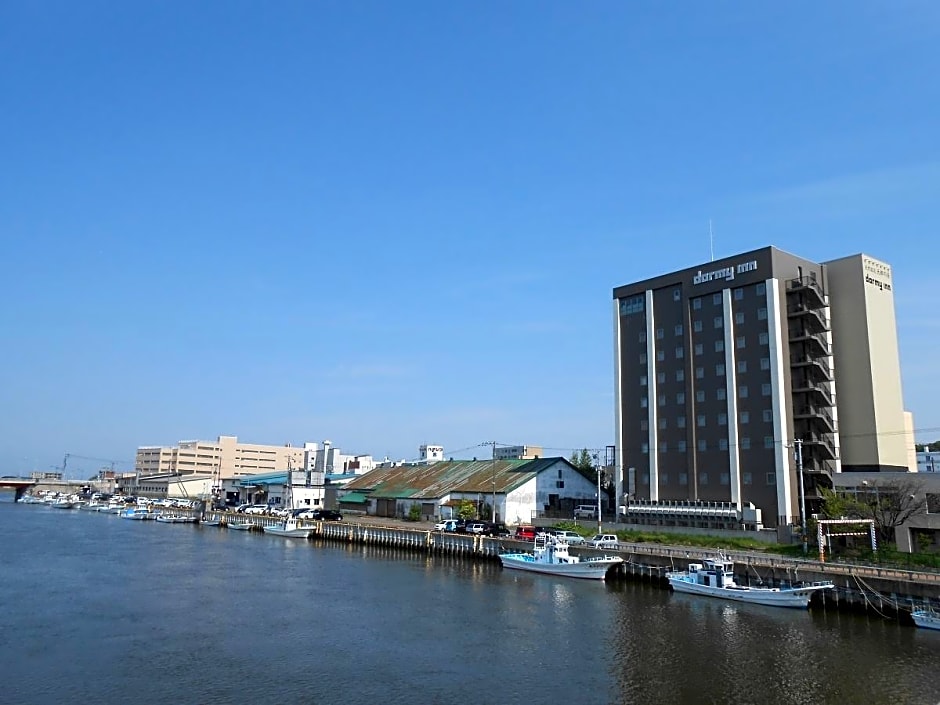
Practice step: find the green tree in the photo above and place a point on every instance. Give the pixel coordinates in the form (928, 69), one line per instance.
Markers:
(466, 509)
(414, 513)
(583, 460)
(890, 504)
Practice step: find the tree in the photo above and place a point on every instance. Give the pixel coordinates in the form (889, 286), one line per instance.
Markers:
(890, 504)
(583, 460)
(466, 509)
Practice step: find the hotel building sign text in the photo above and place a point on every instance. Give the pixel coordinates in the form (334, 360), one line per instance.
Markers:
(724, 273)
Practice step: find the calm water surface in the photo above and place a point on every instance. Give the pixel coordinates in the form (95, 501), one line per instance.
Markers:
(97, 609)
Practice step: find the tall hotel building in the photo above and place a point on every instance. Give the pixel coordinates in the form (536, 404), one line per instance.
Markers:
(721, 367)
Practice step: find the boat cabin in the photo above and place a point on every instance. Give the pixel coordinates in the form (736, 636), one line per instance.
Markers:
(714, 573)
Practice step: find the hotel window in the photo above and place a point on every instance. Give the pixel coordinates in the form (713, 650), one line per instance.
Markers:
(700, 419)
(662, 424)
(738, 294)
(768, 441)
(762, 314)
(642, 336)
(699, 349)
(740, 342)
(683, 478)
(643, 380)
(680, 446)
(720, 394)
(744, 417)
(697, 303)
(700, 395)
(661, 377)
(680, 352)
(771, 478)
(702, 444)
(703, 478)
(645, 448)
(632, 305)
(765, 363)
(719, 322)
(676, 294)
(763, 339)
(745, 443)
(761, 289)
(697, 326)
(644, 425)
(699, 373)
(742, 391)
(660, 355)
(767, 415)
(659, 334)
(662, 400)
(719, 346)
(680, 398)
(746, 478)
(765, 389)
(644, 402)
(680, 375)
(716, 299)
(643, 358)
(720, 369)
(742, 365)
(723, 421)
(725, 478)
(680, 421)
(739, 317)
(678, 329)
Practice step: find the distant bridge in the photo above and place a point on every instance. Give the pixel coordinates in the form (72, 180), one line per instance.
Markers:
(19, 485)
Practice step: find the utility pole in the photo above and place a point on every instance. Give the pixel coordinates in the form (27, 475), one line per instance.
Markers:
(597, 469)
(493, 444)
(799, 470)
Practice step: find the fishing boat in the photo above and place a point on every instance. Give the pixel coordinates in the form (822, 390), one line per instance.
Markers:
(288, 526)
(926, 618)
(138, 513)
(715, 578)
(550, 555)
(176, 519)
(240, 525)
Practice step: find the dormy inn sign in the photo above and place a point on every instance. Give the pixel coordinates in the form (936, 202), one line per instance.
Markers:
(724, 273)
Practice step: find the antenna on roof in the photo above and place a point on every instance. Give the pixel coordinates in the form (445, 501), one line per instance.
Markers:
(711, 239)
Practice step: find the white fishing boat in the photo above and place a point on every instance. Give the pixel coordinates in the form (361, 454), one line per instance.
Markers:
(240, 525)
(176, 519)
(550, 555)
(715, 578)
(288, 526)
(138, 514)
(64, 503)
(926, 618)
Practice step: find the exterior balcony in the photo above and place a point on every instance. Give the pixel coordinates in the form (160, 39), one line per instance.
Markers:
(819, 365)
(816, 414)
(818, 443)
(814, 388)
(813, 318)
(814, 341)
(808, 286)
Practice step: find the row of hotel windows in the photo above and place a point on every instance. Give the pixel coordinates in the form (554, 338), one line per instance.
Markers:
(743, 393)
(744, 443)
(744, 417)
(740, 342)
(723, 478)
(697, 325)
(636, 304)
(700, 372)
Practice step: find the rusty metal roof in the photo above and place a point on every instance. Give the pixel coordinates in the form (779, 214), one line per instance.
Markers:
(434, 480)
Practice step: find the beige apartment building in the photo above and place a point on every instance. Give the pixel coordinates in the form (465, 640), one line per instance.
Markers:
(225, 457)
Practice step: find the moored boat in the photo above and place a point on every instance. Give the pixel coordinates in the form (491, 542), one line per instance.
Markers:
(926, 618)
(550, 555)
(240, 525)
(715, 578)
(137, 513)
(288, 527)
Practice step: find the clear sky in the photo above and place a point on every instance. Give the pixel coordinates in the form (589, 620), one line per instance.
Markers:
(395, 223)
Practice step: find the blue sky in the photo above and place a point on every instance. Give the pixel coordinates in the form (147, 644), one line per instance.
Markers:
(394, 223)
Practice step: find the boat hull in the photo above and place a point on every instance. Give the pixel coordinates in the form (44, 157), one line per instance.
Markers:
(289, 533)
(797, 598)
(585, 569)
(926, 620)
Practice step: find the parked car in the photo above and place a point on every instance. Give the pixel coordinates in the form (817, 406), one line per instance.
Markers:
(327, 515)
(446, 525)
(570, 537)
(497, 529)
(476, 527)
(585, 511)
(525, 533)
(257, 509)
(605, 541)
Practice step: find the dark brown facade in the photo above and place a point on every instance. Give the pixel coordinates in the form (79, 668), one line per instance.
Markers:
(719, 368)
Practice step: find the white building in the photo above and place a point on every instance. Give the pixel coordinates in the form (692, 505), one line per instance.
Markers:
(928, 461)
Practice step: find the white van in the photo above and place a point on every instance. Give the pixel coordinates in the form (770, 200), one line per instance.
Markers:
(585, 511)
(446, 525)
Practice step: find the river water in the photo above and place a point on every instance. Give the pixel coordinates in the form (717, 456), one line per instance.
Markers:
(97, 609)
